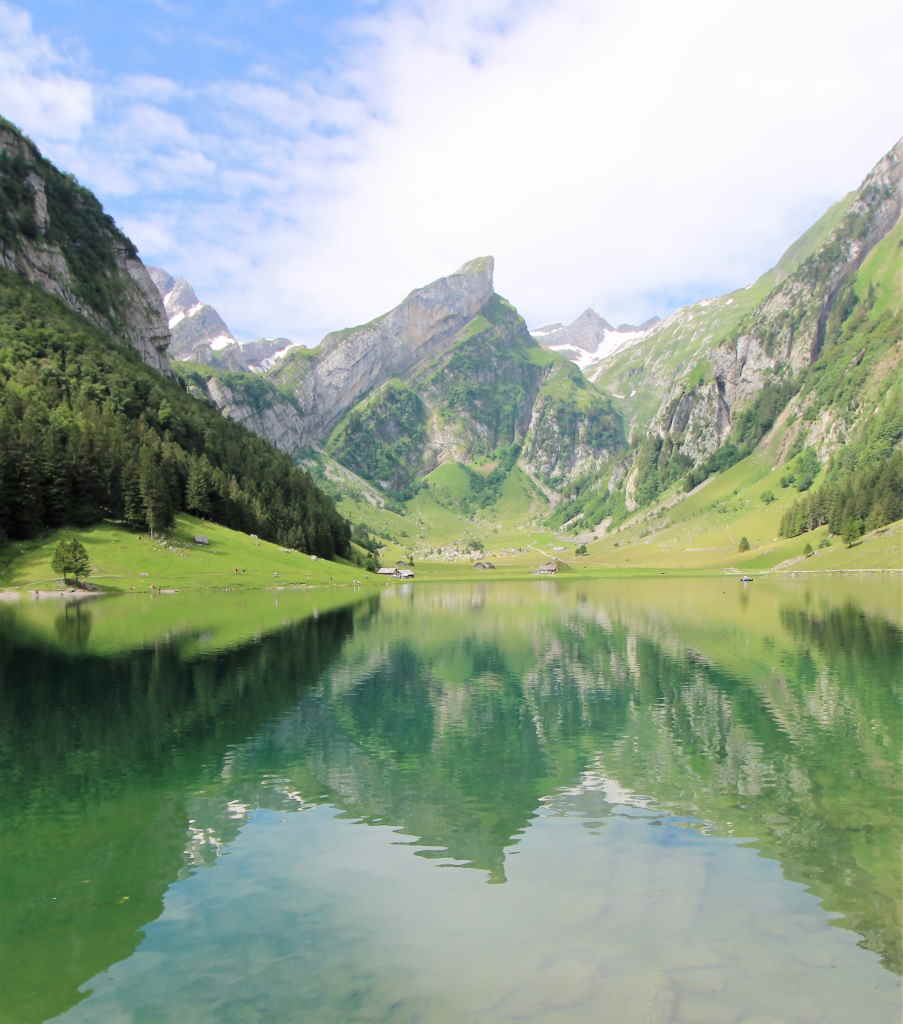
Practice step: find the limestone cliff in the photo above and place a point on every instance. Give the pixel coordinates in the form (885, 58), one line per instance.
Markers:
(54, 233)
(348, 364)
(451, 374)
(785, 333)
(481, 389)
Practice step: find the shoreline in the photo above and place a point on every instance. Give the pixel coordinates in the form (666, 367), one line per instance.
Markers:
(35, 594)
(455, 574)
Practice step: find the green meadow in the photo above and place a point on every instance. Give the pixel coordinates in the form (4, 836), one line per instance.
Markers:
(127, 562)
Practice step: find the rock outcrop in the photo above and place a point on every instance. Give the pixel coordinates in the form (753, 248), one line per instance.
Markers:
(55, 234)
(200, 335)
(348, 364)
(784, 334)
(277, 419)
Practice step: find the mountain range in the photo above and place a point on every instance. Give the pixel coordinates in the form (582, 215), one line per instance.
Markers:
(450, 394)
(452, 382)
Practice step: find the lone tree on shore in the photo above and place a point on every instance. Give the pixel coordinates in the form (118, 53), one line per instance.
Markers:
(71, 560)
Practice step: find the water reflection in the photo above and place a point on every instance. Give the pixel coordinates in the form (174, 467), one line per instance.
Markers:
(73, 626)
(461, 718)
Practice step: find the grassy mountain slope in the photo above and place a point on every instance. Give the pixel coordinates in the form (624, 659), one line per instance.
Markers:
(492, 395)
(808, 355)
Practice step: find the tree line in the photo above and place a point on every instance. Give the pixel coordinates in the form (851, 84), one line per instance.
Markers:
(857, 501)
(89, 432)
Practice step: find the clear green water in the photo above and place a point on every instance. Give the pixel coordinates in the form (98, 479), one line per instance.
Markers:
(636, 801)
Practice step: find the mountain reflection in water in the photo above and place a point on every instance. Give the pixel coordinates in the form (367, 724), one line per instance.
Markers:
(456, 721)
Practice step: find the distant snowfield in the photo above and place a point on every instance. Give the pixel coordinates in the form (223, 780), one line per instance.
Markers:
(270, 362)
(612, 341)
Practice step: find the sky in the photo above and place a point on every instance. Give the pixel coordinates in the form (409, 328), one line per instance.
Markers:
(306, 163)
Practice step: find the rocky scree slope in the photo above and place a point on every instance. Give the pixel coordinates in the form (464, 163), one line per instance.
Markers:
(55, 234)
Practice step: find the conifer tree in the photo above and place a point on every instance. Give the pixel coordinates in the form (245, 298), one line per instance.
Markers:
(70, 560)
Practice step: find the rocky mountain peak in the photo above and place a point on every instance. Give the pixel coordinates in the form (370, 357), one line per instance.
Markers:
(590, 337)
(590, 319)
(350, 363)
(462, 293)
(180, 298)
(163, 281)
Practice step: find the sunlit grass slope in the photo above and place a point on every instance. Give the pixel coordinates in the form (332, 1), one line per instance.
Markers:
(123, 561)
(700, 533)
(704, 530)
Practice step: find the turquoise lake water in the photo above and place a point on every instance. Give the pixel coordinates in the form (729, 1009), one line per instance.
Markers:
(631, 801)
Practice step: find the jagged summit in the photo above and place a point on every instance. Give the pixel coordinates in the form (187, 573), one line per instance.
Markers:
(590, 337)
(195, 326)
(350, 363)
(199, 333)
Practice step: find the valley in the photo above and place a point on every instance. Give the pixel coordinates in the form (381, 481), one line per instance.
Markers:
(395, 633)
(445, 428)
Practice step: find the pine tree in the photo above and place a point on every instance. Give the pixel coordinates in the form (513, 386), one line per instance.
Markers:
(199, 487)
(70, 560)
(132, 499)
(158, 511)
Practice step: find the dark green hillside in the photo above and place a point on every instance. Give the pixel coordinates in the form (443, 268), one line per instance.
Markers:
(89, 432)
(485, 385)
(382, 438)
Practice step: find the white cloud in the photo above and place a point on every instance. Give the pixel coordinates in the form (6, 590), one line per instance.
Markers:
(606, 153)
(35, 87)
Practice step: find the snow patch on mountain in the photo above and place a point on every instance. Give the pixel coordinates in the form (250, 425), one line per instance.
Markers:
(590, 338)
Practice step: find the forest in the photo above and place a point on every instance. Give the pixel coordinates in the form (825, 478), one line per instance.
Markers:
(89, 432)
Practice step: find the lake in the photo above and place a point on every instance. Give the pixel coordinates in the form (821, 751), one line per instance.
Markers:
(620, 801)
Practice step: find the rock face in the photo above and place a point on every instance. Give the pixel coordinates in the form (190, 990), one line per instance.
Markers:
(784, 334)
(348, 364)
(277, 419)
(55, 234)
(490, 393)
(451, 374)
(590, 338)
(200, 335)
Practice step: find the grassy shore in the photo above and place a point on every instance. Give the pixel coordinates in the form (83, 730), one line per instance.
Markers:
(126, 562)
